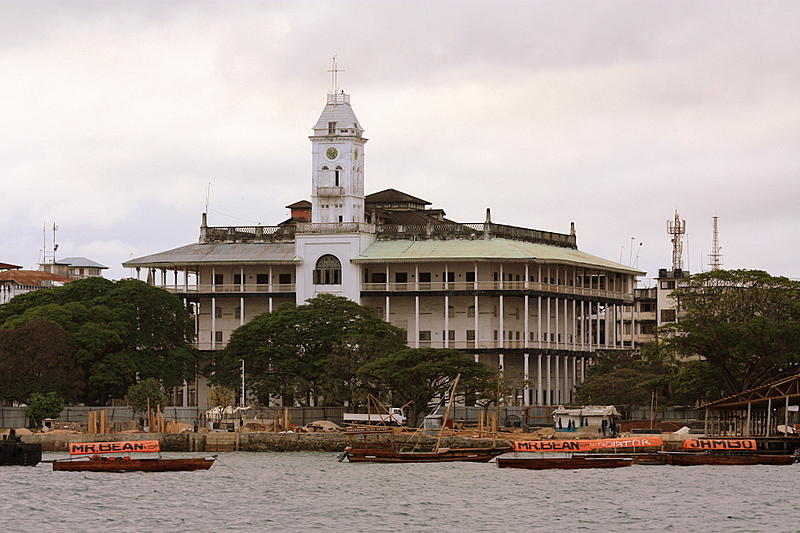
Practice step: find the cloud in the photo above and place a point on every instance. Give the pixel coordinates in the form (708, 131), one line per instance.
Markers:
(614, 114)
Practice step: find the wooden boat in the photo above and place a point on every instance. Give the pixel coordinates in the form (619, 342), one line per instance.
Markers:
(14, 452)
(100, 462)
(695, 459)
(649, 459)
(126, 464)
(566, 463)
(391, 454)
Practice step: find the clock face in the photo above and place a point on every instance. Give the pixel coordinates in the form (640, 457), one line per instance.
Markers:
(331, 153)
(355, 153)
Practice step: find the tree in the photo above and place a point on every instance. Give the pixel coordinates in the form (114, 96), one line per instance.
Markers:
(148, 393)
(115, 331)
(221, 397)
(744, 323)
(41, 406)
(417, 376)
(307, 352)
(34, 357)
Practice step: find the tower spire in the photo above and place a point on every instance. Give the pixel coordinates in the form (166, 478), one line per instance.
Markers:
(715, 257)
(334, 70)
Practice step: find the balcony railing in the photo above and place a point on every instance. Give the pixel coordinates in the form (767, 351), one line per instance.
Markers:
(491, 286)
(335, 227)
(247, 234)
(470, 345)
(330, 191)
(247, 288)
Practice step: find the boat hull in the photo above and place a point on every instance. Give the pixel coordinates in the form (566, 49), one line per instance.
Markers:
(388, 455)
(697, 459)
(565, 463)
(650, 459)
(134, 465)
(14, 453)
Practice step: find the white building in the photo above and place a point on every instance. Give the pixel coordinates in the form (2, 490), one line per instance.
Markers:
(74, 268)
(15, 281)
(525, 300)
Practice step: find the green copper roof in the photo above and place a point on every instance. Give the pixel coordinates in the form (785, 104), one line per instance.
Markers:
(483, 250)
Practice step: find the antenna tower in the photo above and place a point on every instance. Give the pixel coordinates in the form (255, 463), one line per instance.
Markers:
(715, 257)
(677, 229)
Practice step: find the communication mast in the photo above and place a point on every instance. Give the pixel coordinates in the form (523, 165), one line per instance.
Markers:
(677, 228)
(715, 257)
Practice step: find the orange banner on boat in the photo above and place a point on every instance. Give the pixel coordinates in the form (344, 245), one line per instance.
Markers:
(720, 444)
(89, 448)
(585, 445)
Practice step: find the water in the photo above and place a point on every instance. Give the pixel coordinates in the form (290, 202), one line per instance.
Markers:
(312, 491)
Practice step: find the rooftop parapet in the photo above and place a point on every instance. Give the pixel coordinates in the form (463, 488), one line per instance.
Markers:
(480, 230)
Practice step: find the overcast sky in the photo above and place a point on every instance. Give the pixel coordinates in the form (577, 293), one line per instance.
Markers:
(116, 115)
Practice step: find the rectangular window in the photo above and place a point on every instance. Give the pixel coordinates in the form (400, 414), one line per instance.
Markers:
(331, 128)
(340, 218)
(668, 315)
(470, 276)
(218, 279)
(262, 279)
(670, 285)
(425, 336)
(450, 276)
(401, 277)
(217, 336)
(237, 279)
(494, 335)
(451, 335)
(217, 312)
(284, 279)
(379, 277)
(470, 334)
(424, 277)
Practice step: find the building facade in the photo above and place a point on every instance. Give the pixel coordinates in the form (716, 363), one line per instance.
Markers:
(524, 300)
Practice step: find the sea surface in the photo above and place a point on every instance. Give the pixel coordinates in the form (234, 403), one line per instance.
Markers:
(314, 492)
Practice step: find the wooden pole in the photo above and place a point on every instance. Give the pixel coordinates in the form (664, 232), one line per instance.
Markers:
(786, 418)
(447, 412)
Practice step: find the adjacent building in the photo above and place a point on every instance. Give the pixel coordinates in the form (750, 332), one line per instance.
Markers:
(15, 281)
(74, 268)
(527, 301)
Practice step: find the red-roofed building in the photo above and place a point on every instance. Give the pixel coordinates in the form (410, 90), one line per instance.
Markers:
(14, 282)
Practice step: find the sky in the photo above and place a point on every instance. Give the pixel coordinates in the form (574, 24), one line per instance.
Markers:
(117, 115)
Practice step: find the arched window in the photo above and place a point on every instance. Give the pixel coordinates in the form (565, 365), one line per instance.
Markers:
(325, 167)
(336, 174)
(328, 271)
(471, 311)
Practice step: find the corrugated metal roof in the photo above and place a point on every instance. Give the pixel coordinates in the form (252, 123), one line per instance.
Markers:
(218, 253)
(482, 250)
(80, 262)
(31, 277)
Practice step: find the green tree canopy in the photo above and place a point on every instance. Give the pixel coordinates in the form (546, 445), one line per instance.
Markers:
(34, 357)
(421, 375)
(744, 323)
(41, 406)
(307, 351)
(115, 330)
(146, 393)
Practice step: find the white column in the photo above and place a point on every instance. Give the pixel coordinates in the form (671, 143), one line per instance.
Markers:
(583, 326)
(567, 384)
(598, 324)
(477, 324)
(539, 319)
(557, 388)
(583, 369)
(526, 325)
(549, 398)
(269, 287)
(557, 332)
(633, 324)
(387, 279)
(539, 393)
(547, 338)
(185, 399)
(589, 328)
(416, 321)
(213, 276)
(501, 276)
(574, 325)
(269, 304)
(527, 277)
(186, 279)
(241, 298)
(566, 325)
(446, 321)
(387, 316)
(416, 279)
(501, 360)
(213, 323)
(502, 323)
(526, 377)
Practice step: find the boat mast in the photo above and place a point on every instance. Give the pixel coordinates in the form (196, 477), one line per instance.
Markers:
(447, 413)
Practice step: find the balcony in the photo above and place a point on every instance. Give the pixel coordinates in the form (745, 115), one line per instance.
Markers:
(492, 286)
(509, 345)
(231, 288)
(335, 227)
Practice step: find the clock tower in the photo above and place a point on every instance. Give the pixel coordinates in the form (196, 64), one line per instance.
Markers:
(337, 182)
